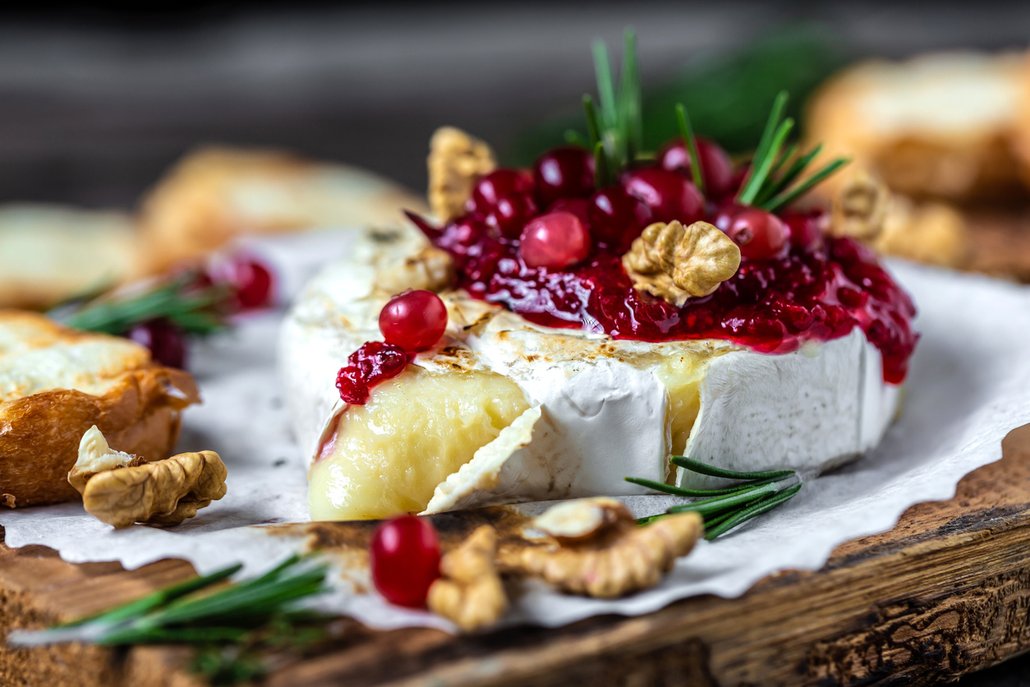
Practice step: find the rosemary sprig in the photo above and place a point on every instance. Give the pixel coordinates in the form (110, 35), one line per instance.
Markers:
(689, 140)
(725, 508)
(614, 126)
(772, 183)
(193, 309)
(192, 613)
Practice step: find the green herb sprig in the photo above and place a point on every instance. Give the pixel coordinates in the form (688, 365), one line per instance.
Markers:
(255, 614)
(615, 131)
(726, 508)
(776, 169)
(194, 309)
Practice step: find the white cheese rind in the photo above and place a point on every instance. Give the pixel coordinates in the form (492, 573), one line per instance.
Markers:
(811, 410)
(598, 408)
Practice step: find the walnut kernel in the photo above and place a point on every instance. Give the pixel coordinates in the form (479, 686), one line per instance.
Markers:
(470, 592)
(860, 207)
(615, 560)
(456, 161)
(676, 262)
(121, 490)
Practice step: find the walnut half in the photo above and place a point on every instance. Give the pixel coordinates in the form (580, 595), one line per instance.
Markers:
(456, 160)
(469, 592)
(611, 560)
(121, 490)
(676, 262)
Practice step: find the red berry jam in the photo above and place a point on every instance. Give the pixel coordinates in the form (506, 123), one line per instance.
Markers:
(795, 283)
(373, 363)
(404, 557)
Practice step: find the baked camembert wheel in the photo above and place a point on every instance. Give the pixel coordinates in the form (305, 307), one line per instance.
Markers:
(574, 324)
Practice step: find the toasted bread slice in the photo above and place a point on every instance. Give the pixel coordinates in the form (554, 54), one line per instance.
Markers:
(55, 383)
(942, 126)
(51, 253)
(217, 194)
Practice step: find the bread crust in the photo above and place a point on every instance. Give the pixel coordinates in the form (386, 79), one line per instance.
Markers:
(39, 433)
(979, 161)
(214, 195)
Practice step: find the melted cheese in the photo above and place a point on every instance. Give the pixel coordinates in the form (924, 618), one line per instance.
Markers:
(388, 456)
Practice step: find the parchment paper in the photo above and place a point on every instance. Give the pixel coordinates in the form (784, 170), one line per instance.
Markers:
(969, 385)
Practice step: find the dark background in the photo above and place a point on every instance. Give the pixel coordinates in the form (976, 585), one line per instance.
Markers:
(95, 104)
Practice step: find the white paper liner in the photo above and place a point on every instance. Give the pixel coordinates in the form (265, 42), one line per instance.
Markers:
(969, 385)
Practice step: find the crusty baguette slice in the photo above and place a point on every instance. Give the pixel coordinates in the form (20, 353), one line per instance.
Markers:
(55, 383)
(216, 194)
(50, 253)
(943, 125)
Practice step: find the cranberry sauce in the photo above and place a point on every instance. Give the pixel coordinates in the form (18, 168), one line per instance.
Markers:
(372, 364)
(794, 285)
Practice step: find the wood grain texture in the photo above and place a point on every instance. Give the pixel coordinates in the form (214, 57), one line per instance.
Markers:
(944, 593)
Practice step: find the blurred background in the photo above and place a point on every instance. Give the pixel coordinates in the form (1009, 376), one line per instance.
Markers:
(95, 104)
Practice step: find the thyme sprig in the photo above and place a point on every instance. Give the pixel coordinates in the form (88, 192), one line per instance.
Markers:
(192, 612)
(725, 508)
(776, 169)
(179, 299)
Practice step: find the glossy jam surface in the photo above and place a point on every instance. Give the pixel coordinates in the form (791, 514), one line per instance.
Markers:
(812, 288)
(372, 364)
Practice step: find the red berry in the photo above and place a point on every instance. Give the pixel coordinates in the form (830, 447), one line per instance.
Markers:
(414, 320)
(580, 207)
(373, 363)
(404, 556)
(716, 166)
(250, 280)
(616, 218)
(501, 183)
(759, 234)
(807, 229)
(566, 172)
(510, 214)
(166, 342)
(555, 241)
(668, 194)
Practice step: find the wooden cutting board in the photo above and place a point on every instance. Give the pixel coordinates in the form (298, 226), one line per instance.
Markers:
(944, 593)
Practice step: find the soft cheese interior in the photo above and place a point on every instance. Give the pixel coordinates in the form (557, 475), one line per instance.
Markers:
(506, 411)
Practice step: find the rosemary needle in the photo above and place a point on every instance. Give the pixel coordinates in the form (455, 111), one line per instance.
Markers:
(697, 466)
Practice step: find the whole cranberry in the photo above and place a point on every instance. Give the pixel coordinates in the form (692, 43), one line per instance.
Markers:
(580, 207)
(510, 214)
(414, 320)
(616, 218)
(807, 228)
(760, 235)
(250, 280)
(497, 185)
(669, 195)
(166, 342)
(404, 558)
(556, 240)
(716, 166)
(566, 172)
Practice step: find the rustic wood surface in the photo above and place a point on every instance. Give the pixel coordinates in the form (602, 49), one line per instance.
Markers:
(944, 593)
